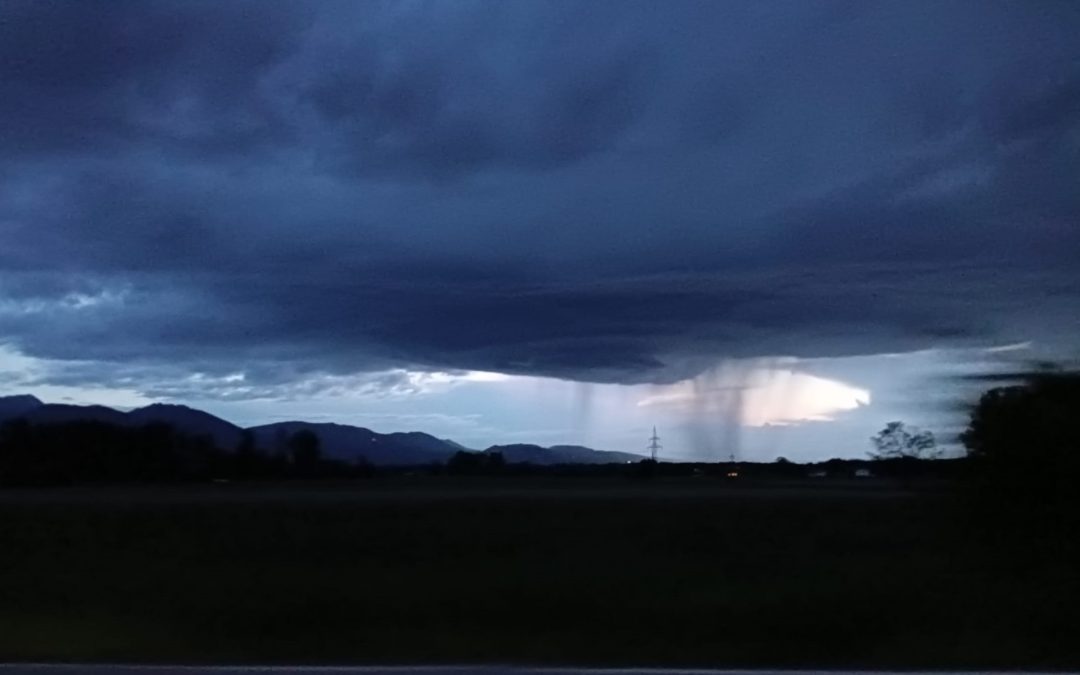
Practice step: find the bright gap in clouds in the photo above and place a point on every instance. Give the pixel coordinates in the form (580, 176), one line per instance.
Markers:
(758, 396)
(756, 409)
(700, 415)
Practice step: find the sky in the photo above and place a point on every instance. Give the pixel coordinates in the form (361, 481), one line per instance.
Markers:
(765, 227)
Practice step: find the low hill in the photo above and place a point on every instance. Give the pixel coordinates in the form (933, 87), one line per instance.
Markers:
(195, 422)
(338, 441)
(521, 453)
(15, 406)
(59, 413)
(349, 443)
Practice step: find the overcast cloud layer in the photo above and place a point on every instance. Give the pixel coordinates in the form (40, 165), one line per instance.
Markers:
(609, 192)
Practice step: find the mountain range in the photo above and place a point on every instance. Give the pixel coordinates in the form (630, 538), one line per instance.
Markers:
(337, 441)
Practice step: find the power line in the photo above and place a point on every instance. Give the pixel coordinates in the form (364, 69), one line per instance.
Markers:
(654, 445)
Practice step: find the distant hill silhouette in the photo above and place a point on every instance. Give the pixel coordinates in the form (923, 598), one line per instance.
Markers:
(14, 406)
(519, 453)
(195, 422)
(189, 420)
(338, 441)
(349, 443)
(58, 413)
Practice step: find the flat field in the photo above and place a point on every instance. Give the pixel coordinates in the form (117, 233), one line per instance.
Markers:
(531, 571)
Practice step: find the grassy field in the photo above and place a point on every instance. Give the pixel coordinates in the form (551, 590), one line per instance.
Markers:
(552, 571)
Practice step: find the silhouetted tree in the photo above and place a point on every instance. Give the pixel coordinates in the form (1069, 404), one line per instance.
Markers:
(786, 468)
(1023, 446)
(281, 445)
(88, 451)
(304, 451)
(646, 468)
(1030, 429)
(462, 462)
(248, 462)
(1024, 443)
(363, 468)
(92, 451)
(16, 451)
(246, 445)
(898, 441)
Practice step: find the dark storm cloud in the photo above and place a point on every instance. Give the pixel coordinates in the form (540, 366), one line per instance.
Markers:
(104, 77)
(431, 113)
(603, 191)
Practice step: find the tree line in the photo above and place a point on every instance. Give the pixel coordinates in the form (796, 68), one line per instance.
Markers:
(90, 451)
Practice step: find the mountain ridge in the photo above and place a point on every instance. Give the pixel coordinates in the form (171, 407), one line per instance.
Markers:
(521, 453)
(338, 441)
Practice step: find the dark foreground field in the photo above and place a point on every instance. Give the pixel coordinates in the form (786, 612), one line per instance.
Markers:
(555, 571)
